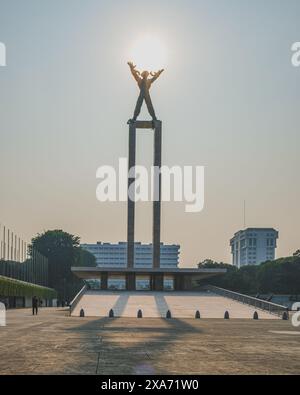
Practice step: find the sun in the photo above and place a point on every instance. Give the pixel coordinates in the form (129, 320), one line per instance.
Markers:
(148, 53)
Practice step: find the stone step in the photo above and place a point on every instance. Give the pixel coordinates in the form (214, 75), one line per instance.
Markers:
(156, 304)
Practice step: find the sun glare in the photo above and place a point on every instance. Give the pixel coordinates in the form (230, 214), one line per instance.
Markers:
(148, 53)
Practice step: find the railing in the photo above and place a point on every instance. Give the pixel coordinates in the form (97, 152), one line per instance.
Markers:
(74, 302)
(34, 270)
(260, 304)
(21, 261)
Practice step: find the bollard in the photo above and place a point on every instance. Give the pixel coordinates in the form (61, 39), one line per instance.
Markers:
(140, 314)
(255, 315)
(226, 315)
(197, 315)
(285, 316)
(168, 315)
(81, 313)
(111, 313)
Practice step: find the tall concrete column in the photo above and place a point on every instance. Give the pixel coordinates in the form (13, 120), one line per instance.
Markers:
(158, 284)
(131, 203)
(130, 282)
(104, 281)
(157, 195)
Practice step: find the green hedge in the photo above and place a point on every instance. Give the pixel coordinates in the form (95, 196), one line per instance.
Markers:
(12, 287)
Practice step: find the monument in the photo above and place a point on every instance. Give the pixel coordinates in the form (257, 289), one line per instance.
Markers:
(183, 278)
(145, 83)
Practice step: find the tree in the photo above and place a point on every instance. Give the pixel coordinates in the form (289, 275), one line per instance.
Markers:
(210, 264)
(85, 258)
(246, 280)
(224, 280)
(281, 276)
(63, 251)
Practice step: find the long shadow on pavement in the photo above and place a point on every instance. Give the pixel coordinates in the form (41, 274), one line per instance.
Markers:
(126, 354)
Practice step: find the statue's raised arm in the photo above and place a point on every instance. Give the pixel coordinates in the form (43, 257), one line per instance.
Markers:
(156, 75)
(134, 72)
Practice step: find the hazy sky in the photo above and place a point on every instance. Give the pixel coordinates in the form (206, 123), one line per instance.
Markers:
(229, 100)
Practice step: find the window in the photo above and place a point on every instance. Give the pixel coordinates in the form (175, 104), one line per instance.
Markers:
(252, 242)
(143, 283)
(116, 282)
(168, 283)
(94, 284)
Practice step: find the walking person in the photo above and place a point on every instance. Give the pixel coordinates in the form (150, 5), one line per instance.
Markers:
(35, 304)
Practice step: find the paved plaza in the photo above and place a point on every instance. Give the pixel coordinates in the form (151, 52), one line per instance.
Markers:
(55, 343)
(156, 304)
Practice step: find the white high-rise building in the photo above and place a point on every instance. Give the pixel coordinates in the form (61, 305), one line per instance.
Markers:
(115, 255)
(253, 246)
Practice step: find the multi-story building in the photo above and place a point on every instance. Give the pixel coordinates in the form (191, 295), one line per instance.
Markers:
(115, 255)
(253, 246)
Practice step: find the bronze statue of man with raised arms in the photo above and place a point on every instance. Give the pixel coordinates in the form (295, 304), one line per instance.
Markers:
(144, 83)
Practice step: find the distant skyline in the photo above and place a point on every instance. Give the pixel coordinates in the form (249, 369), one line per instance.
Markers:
(229, 100)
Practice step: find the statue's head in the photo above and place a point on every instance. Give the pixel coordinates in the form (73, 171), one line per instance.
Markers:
(145, 74)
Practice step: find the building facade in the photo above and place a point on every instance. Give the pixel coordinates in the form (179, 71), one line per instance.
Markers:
(115, 255)
(253, 246)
